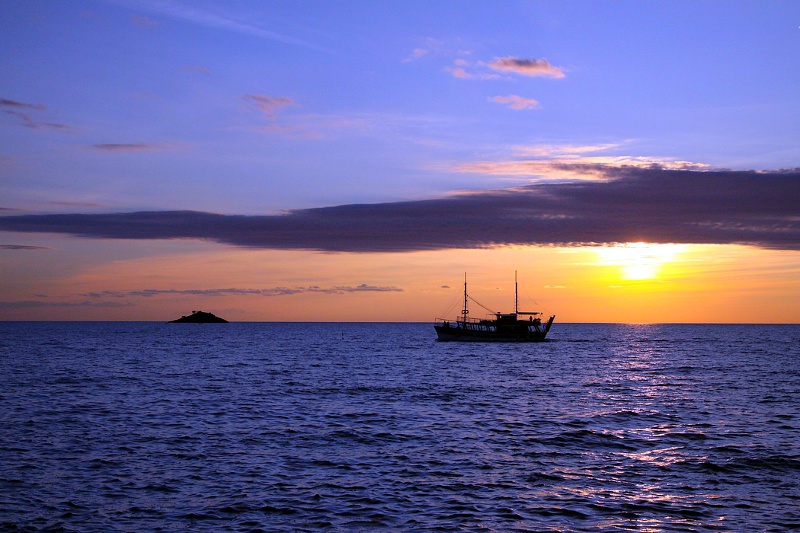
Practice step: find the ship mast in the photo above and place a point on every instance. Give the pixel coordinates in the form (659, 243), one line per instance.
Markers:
(465, 311)
(516, 297)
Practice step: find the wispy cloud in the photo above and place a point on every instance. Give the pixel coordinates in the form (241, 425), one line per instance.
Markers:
(5, 102)
(268, 104)
(466, 70)
(570, 169)
(76, 204)
(630, 204)
(481, 70)
(32, 304)
(430, 46)
(21, 247)
(112, 299)
(416, 53)
(562, 150)
(298, 127)
(143, 21)
(274, 291)
(516, 102)
(290, 130)
(129, 147)
(25, 113)
(559, 162)
(217, 18)
(527, 67)
(465, 66)
(197, 69)
(460, 72)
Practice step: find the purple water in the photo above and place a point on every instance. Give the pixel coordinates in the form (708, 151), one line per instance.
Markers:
(354, 427)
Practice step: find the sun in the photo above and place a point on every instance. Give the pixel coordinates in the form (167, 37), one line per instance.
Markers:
(638, 260)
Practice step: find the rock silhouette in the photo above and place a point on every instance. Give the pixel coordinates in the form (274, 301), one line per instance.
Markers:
(200, 317)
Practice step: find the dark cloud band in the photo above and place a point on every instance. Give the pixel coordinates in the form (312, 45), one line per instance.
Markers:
(634, 204)
(274, 291)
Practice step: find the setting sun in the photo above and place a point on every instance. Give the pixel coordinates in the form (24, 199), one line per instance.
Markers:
(638, 260)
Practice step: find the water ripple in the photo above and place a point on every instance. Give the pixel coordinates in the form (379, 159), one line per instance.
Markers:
(353, 427)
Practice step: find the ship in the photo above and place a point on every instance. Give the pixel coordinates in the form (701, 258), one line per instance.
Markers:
(498, 327)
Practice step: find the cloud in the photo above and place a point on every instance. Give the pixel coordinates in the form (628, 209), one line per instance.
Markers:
(28, 304)
(560, 162)
(23, 110)
(290, 130)
(76, 204)
(430, 46)
(560, 150)
(526, 67)
(110, 299)
(516, 102)
(218, 19)
(569, 169)
(21, 247)
(274, 291)
(309, 125)
(30, 122)
(459, 70)
(127, 147)
(416, 54)
(197, 69)
(168, 146)
(143, 21)
(4, 102)
(474, 69)
(268, 104)
(630, 204)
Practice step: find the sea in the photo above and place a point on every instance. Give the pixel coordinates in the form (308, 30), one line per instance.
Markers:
(251, 427)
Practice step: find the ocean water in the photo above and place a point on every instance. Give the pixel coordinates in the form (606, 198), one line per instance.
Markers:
(376, 427)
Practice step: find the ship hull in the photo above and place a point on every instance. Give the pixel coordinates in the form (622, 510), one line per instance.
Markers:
(459, 335)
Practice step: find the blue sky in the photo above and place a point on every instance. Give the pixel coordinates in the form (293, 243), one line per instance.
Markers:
(376, 112)
(259, 108)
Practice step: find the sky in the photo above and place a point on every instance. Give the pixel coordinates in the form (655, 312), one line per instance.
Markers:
(631, 161)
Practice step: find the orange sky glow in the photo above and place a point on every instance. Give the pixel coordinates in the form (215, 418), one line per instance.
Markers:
(635, 283)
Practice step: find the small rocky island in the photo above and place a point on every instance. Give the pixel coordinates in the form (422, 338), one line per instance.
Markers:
(200, 317)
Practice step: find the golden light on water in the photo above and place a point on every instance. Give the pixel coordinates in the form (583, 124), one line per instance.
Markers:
(638, 260)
